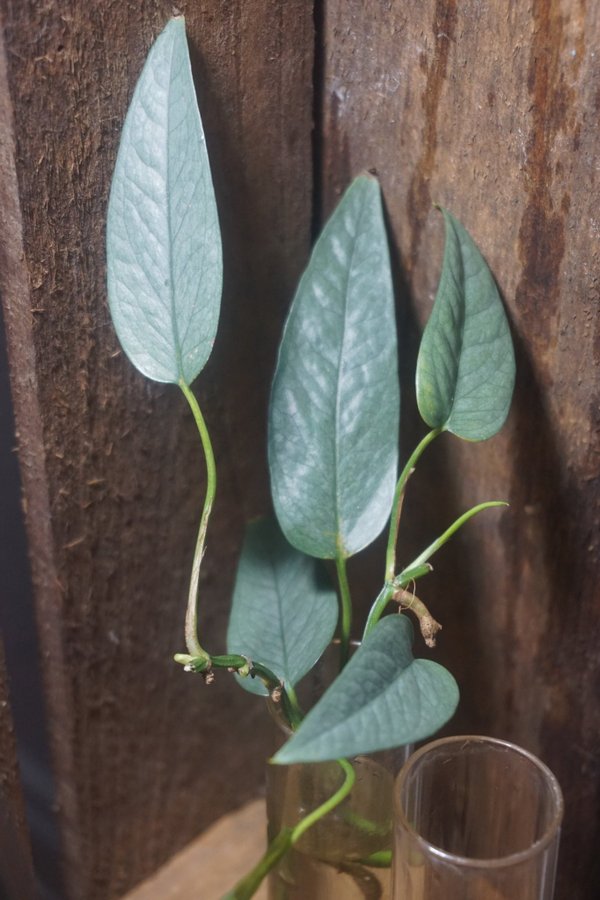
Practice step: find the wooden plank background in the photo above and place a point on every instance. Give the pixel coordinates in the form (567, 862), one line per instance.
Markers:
(146, 757)
(16, 871)
(491, 109)
(488, 108)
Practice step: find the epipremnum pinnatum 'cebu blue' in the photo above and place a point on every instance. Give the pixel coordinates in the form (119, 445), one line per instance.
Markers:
(335, 404)
(333, 428)
(163, 241)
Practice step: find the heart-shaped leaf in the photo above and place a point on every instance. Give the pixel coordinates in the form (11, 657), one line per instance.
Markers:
(466, 363)
(163, 240)
(284, 609)
(333, 426)
(383, 698)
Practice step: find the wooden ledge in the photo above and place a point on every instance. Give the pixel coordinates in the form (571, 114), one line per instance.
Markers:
(214, 862)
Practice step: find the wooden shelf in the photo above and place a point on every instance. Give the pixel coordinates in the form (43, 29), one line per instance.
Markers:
(213, 863)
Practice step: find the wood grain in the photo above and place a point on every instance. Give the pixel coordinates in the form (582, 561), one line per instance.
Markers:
(16, 872)
(214, 862)
(491, 109)
(145, 756)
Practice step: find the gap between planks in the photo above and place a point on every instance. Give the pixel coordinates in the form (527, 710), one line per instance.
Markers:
(214, 862)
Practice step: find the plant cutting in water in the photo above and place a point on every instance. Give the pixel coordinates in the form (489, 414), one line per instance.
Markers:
(333, 430)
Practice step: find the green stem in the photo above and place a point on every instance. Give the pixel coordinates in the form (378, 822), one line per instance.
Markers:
(244, 667)
(411, 573)
(367, 826)
(433, 548)
(248, 886)
(330, 804)
(382, 859)
(191, 618)
(377, 610)
(279, 846)
(252, 669)
(346, 610)
(296, 714)
(419, 567)
(390, 559)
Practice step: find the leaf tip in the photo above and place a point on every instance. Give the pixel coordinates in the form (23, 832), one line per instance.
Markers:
(276, 760)
(368, 180)
(369, 175)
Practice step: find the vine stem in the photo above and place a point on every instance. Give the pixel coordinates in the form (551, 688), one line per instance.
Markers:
(419, 566)
(322, 810)
(295, 707)
(191, 617)
(390, 559)
(286, 838)
(346, 609)
(383, 598)
(443, 538)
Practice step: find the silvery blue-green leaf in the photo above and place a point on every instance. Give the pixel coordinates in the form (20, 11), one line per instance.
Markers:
(466, 363)
(383, 698)
(163, 240)
(284, 610)
(333, 426)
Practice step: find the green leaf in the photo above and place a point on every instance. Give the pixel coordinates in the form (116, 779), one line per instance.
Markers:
(335, 405)
(383, 698)
(466, 363)
(163, 240)
(284, 609)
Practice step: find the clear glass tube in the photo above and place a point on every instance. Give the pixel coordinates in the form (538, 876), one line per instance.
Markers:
(475, 819)
(331, 861)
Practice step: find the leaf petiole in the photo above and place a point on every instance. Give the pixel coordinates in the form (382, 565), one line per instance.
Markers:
(443, 538)
(390, 559)
(292, 706)
(377, 610)
(346, 609)
(420, 566)
(411, 573)
(191, 617)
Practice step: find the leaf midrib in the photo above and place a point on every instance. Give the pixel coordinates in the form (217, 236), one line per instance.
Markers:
(174, 322)
(280, 617)
(462, 294)
(341, 551)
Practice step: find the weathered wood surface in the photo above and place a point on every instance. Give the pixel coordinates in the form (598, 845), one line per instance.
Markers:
(145, 755)
(211, 865)
(491, 109)
(16, 872)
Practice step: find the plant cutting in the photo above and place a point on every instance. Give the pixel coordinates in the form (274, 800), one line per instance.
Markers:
(333, 439)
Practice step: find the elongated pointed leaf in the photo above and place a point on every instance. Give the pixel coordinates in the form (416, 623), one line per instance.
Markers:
(383, 698)
(284, 609)
(333, 427)
(163, 240)
(466, 364)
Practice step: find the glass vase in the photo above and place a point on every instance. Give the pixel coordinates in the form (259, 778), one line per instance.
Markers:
(333, 860)
(475, 819)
